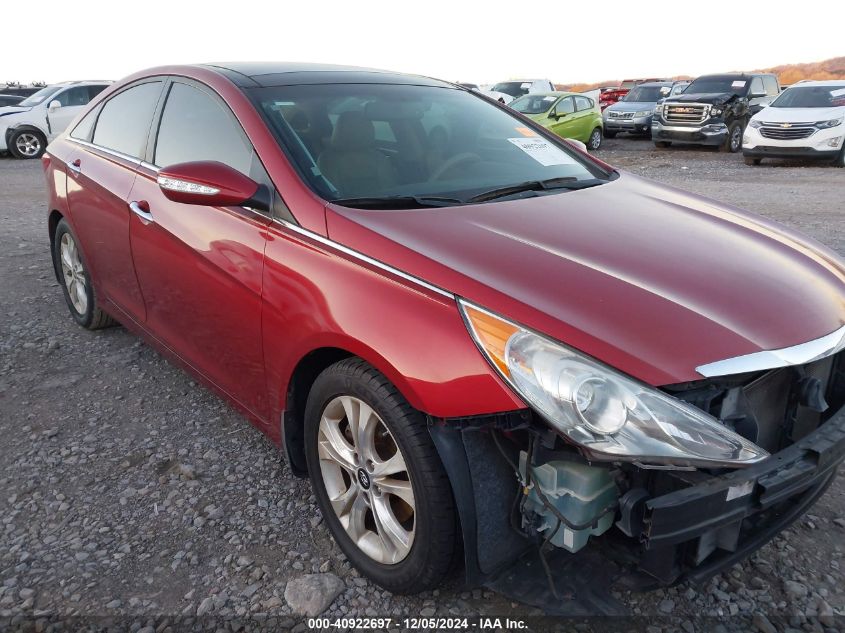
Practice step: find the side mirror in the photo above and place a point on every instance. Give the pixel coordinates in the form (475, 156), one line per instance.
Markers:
(554, 114)
(54, 105)
(213, 184)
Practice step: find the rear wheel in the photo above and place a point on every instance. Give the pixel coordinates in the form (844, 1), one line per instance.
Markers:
(378, 479)
(752, 161)
(733, 143)
(594, 142)
(662, 144)
(75, 280)
(27, 144)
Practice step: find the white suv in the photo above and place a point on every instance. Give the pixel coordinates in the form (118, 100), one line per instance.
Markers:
(507, 91)
(26, 128)
(806, 121)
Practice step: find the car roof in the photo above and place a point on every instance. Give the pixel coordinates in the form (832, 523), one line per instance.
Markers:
(732, 75)
(820, 82)
(556, 93)
(266, 74)
(656, 84)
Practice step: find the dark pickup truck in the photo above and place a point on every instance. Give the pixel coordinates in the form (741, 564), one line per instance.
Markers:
(713, 110)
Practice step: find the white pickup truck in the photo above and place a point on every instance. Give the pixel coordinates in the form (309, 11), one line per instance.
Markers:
(26, 128)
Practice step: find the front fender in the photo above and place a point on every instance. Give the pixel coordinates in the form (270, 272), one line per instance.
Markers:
(317, 296)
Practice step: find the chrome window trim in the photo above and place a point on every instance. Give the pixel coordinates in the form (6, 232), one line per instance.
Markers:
(364, 258)
(773, 359)
(133, 159)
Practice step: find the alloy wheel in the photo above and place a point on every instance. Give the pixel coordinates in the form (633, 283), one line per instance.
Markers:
(366, 479)
(73, 274)
(28, 144)
(595, 139)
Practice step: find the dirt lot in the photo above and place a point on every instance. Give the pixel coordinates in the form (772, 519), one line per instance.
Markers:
(128, 492)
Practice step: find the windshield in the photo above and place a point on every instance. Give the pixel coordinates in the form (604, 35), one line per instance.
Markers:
(533, 104)
(628, 84)
(811, 97)
(719, 85)
(642, 94)
(388, 140)
(512, 88)
(40, 96)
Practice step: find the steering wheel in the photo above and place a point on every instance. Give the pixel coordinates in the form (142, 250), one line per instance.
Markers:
(457, 159)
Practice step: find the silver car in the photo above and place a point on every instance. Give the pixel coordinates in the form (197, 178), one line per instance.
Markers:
(633, 112)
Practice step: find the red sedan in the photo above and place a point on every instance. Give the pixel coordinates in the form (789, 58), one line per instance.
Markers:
(475, 339)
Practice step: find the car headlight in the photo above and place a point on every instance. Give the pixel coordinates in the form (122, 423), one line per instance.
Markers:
(756, 124)
(823, 125)
(610, 415)
(716, 111)
(642, 113)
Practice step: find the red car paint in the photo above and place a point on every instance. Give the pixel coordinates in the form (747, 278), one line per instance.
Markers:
(646, 278)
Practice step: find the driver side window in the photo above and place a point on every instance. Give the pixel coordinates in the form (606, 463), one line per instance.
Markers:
(565, 106)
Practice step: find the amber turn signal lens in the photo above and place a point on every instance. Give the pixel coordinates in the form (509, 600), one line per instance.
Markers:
(492, 333)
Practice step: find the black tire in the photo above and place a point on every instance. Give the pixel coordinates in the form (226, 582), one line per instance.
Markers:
(662, 144)
(594, 140)
(435, 546)
(752, 161)
(840, 160)
(28, 138)
(609, 134)
(92, 317)
(733, 143)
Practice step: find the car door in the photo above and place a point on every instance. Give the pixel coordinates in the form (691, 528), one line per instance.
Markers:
(108, 144)
(200, 267)
(71, 102)
(585, 119)
(565, 125)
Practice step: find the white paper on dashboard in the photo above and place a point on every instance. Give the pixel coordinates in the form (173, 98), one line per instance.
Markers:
(542, 151)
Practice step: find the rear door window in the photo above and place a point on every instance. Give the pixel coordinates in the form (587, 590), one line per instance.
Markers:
(124, 121)
(196, 126)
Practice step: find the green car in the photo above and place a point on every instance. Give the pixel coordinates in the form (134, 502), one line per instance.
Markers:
(567, 114)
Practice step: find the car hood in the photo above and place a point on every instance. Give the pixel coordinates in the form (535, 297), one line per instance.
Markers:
(649, 279)
(632, 106)
(799, 115)
(6, 111)
(713, 98)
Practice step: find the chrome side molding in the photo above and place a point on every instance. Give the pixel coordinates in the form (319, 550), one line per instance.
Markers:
(772, 359)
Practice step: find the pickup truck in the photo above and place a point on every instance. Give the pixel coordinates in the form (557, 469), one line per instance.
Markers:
(713, 110)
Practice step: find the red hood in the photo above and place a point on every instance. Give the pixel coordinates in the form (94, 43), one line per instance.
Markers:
(649, 279)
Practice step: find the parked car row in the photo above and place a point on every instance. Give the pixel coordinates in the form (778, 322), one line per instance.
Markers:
(29, 125)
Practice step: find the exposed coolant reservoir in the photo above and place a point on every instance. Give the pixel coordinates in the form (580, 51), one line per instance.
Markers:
(578, 491)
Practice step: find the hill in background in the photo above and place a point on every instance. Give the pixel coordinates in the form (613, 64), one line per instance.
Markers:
(787, 74)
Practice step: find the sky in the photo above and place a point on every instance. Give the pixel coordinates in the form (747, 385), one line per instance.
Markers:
(567, 41)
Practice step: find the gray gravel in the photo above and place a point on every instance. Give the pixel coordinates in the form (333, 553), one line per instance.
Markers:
(129, 492)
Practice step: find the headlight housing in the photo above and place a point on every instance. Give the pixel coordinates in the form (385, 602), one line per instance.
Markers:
(642, 113)
(824, 125)
(611, 416)
(716, 111)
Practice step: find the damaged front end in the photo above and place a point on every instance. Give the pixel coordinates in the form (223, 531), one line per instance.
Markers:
(555, 523)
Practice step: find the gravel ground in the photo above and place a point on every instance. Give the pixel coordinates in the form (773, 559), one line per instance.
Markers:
(135, 498)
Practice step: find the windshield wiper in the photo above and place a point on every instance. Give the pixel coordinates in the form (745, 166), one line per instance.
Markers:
(569, 183)
(398, 202)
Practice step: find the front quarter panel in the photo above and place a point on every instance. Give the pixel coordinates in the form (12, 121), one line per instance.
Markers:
(317, 297)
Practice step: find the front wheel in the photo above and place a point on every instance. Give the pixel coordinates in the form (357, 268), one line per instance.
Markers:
(378, 479)
(594, 142)
(27, 144)
(840, 160)
(733, 143)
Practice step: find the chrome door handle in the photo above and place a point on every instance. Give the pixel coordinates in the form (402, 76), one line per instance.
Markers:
(142, 210)
(75, 166)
